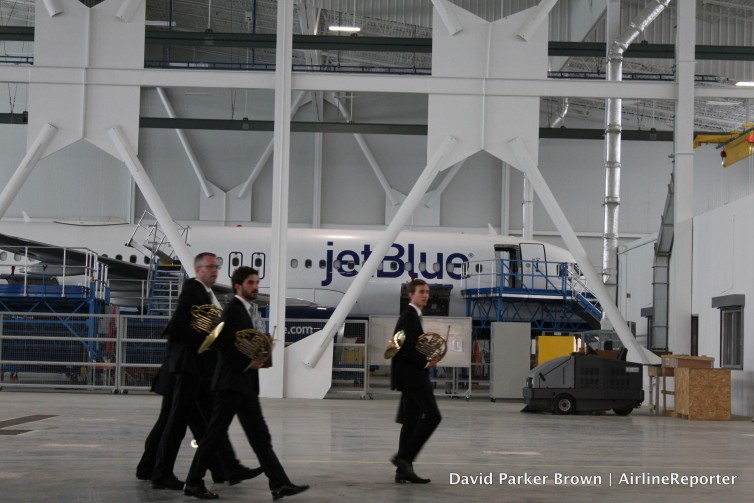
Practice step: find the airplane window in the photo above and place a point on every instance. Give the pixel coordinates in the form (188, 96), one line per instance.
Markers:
(220, 261)
(258, 263)
(322, 264)
(235, 262)
(393, 266)
(104, 255)
(17, 257)
(478, 267)
(294, 263)
(336, 264)
(3, 256)
(146, 260)
(409, 266)
(436, 267)
(350, 265)
(132, 259)
(381, 267)
(308, 263)
(119, 257)
(422, 266)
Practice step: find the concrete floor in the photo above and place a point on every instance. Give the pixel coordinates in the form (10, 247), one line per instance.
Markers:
(89, 449)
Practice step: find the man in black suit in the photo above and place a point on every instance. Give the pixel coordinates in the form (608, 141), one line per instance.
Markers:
(184, 383)
(418, 410)
(236, 386)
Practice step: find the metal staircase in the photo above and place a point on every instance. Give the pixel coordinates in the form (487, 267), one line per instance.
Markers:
(166, 274)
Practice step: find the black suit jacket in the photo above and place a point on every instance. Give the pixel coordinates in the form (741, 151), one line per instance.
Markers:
(184, 341)
(231, 373)
(408, 367)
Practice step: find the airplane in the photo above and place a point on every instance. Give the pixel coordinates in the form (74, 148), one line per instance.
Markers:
(322, 262)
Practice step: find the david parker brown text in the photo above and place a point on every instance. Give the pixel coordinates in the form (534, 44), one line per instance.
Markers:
(562, 479)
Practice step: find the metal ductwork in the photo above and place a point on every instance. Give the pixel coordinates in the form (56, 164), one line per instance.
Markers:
(613, 130)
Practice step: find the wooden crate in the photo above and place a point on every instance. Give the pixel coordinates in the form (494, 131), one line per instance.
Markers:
(702, 393)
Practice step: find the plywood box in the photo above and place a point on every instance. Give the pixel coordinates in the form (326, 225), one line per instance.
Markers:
(702, 394)
(679, 361)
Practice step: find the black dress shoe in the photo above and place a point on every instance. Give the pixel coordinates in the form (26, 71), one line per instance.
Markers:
(405, 478)
(199, 491)
(143, 476)
(402, 465)
(288, 490)
(168, 483)
(243, 473)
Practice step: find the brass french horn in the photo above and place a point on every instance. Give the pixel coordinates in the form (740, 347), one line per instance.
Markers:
(254, 344)
(204, 317)
(432, 345)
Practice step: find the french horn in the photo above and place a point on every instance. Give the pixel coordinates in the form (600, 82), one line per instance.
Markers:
(204, 317)
(432, 345)
(250, 342)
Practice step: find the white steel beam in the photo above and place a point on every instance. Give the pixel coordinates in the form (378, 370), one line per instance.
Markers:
(530, 169)
(538, 16)
(198, 171)
(27, 165)
(437, 193)
(128, 155)
(323, 338)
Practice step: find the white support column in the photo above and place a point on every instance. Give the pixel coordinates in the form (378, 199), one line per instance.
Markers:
(317, 182)
(367, 152)
(28, 163)
(380, 249)
(186, 145)
(505, 191)
(273, 379)
(528, 210)
(681, 265)
(529, 167)
(128, 155)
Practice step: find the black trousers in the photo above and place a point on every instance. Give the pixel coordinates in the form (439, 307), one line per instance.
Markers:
(228, 404)
(420, 416)
(222, 465)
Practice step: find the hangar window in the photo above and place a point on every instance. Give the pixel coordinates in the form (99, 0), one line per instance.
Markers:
(731, 330)
(308, 263)
(294, 263)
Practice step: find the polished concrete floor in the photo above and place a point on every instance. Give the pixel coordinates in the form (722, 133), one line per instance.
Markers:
(88, 449)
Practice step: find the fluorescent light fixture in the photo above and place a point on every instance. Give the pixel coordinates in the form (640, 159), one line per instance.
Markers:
(350, 29)
(160, 23)
(745, 83)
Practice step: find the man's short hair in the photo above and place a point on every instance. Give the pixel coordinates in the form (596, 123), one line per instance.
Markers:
(415, 283)
(243, 272)
(199, 258)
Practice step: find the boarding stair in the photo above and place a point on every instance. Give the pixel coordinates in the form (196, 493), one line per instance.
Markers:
(166, 273)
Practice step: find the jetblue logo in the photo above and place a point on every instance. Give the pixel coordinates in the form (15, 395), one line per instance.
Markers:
(396, 264)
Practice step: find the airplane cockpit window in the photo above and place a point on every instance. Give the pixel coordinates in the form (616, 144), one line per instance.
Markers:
(308, 263)
(294, 263)
(132, 259)
(119, 257)
(322, 264)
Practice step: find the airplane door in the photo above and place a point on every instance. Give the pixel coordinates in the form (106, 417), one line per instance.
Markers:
(534, 265)
(508, 263)
(258, 262)
(235, 260)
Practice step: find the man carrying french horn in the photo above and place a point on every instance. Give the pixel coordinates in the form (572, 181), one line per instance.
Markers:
(243, 349)
(417, 412)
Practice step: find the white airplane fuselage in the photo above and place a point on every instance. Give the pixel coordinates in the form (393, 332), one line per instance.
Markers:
(321, 263)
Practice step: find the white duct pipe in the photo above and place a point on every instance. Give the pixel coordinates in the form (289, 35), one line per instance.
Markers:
(28, 163)
(529, 167)
(559, 118)
(412, 200)
(166, 222)
(186, 145)
(613, 131)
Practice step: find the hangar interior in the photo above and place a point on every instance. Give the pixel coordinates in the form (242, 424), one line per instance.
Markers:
(367, 110)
